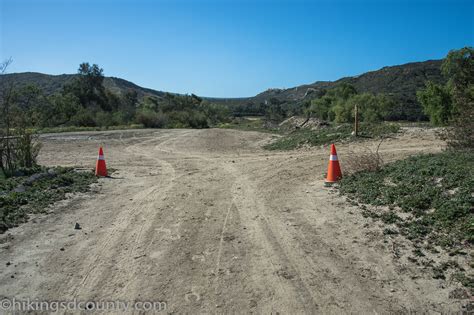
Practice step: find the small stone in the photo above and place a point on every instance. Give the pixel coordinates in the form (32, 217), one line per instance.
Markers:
(8, 263)
(52, 172)
(62, 249)
(19, 189)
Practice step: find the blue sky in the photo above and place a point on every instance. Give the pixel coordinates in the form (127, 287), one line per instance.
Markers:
(229, 48)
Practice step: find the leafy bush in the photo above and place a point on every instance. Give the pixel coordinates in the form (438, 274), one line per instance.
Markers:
(151, 119)
(338, 105)
(83, 118)
(215, 113)
(197, 120)
(453, 104)
(437, 103)
(104, 119)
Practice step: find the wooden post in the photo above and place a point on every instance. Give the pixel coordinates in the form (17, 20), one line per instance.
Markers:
(356, 121)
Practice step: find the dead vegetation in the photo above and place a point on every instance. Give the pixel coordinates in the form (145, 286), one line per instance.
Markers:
(368, 160)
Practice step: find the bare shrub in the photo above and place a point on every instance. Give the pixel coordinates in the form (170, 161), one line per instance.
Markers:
(27, 149)
(19, 146)
(368, 160)
(18, 151)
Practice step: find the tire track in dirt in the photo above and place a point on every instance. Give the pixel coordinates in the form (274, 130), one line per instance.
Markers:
(290, 292)
(96, 273)
(96, 269)
(150, 149)
(221, 243)
(265, 239)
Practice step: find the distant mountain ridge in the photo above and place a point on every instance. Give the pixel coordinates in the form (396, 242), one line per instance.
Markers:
(400, 82)
(51, 84)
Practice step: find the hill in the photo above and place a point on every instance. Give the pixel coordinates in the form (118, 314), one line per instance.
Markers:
(51, 84)
(399, 82)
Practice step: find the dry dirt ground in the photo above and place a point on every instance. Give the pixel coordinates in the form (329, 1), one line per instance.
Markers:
(209, 222)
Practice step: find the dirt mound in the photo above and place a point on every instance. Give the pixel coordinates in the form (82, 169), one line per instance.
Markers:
(296, 122)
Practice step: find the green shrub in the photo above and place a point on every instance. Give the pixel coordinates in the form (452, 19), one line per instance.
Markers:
(151, 119)
(436, 189)
(338, 105)
(437, 103)
(83, 118)
(104, 119)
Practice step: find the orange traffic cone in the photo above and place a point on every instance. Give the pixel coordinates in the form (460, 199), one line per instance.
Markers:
(100, 168)
(334, 170)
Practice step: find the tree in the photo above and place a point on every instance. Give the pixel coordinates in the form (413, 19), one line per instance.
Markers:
(458, 66)
(89, 88)
(372, 108)
(320, 107)
(342, 91)
(338, 105)
(274, 111)
(214, 113)
(59, 109)
(437, 103)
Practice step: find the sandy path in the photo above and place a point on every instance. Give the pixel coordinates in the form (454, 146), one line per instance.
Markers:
(208, 222)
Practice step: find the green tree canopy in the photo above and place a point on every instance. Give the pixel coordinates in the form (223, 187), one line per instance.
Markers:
(437, 103)
(458, 66)
(338, 105)
(88, 87)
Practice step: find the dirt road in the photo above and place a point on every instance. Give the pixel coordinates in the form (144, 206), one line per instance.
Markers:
(208, 222)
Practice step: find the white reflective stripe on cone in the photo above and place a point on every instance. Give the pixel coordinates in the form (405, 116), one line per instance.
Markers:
(101, 157)
(333, 157)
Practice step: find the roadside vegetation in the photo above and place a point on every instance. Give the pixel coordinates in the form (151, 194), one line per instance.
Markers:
(31, 191)
(335, 109)
(25, 187)
(250, 124)
(84, 102)
(429, 198)
(452, 104)
(435, 190)
(331, 134)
